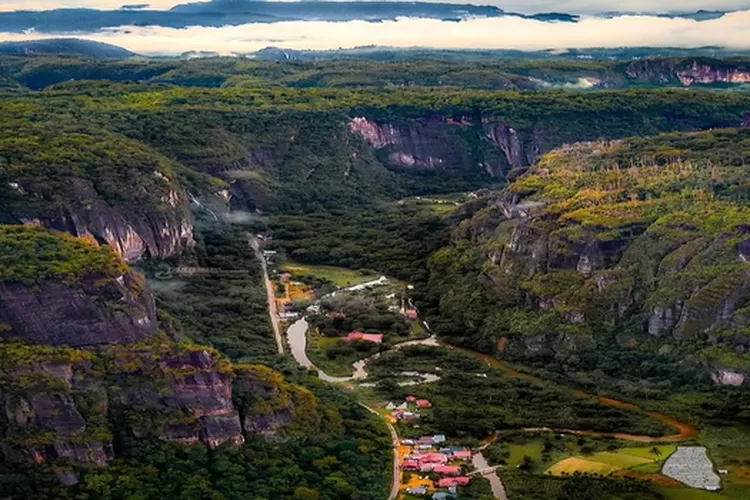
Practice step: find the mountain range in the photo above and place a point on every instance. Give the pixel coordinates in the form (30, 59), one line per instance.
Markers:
(216, 13)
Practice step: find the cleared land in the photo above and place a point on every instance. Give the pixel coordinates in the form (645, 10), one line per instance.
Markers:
(574, 464)
(340, 276)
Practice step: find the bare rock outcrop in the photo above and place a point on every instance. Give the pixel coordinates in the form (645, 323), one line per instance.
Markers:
(110, 312)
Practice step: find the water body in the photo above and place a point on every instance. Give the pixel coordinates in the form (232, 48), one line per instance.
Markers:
(297, 338)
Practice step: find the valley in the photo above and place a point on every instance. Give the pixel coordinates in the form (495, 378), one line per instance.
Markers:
(371, 291)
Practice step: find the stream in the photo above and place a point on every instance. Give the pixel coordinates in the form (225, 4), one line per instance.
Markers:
(297, 338)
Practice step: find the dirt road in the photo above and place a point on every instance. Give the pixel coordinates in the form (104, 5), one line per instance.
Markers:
(271, 295)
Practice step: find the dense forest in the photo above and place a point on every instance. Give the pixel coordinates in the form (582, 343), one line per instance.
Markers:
(617, 264)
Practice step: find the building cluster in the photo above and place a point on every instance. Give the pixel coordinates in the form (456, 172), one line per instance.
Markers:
(408, 410)
(429, 455)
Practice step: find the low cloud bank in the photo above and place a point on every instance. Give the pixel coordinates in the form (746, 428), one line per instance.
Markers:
(498, 33)
(525, 6)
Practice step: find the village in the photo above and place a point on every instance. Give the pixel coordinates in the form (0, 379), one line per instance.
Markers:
(428, 466)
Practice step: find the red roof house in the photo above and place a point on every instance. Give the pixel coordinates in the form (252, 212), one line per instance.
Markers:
(447, 482)
(435, 458)
(423, 403)
(412, 314)
(411, 399)
(410, 465)
(447, 470)
(376, 338)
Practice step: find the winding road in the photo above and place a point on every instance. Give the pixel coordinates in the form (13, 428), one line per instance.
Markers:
(297, 340)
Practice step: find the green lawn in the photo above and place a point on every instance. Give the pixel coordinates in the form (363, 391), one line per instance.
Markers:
(572, 465)
(341, 366)
(619, 459)
(341, 276)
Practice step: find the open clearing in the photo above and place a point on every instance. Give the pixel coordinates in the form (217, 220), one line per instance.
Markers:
(619, 460)
(340, 276)
(575, 464)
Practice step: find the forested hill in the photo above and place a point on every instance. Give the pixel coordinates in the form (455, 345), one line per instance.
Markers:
(617, 248)
(62, 60)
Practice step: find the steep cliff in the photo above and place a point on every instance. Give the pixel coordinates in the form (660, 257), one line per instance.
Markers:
(689, 72)
(640, 238)
(58, 290)
(93, 184)
(62, 405)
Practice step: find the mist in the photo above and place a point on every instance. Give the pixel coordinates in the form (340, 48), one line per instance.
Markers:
(525, 6)
(496, 33)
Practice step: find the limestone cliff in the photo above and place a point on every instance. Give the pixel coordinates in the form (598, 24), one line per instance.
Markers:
(80, 350)
(688, 71)
(130, 200)
(598, 238)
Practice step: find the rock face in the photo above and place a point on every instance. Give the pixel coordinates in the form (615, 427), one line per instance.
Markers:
(443, 143)
(134, 234)
(114, 312)
(424, 145)
(578, 247)
(688, 72)
(49, 406)
(191, 388)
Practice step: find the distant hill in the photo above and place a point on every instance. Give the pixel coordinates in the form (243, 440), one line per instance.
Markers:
(66, 46)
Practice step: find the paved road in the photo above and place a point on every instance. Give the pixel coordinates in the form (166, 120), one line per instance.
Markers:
(395, 483)
(498, 490)
(271, 295)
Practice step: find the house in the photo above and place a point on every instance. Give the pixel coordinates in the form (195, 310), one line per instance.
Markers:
(438, 438)
(407, 442)
(426, 467)
(410, 465)
(412, 314)
(448, 482)
(407, 415)
(285, 277)
(423, 403)
(426, 440)
(376, 338)
(435, 458)
(410, 399)
(462, 455)
(418, 491)
(390, 406)
(447, 470)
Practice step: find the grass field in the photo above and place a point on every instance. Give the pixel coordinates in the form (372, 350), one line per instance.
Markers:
(341, 366)
(576, 464)
(341, 276)
(690, 494)
(619, 459)
(639, 459)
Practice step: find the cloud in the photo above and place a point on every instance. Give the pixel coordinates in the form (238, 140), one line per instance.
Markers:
(499, 33)
(526, 6)
(10, 5)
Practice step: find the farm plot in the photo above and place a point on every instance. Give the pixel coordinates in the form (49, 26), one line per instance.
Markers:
(574, 464)
(690, 465)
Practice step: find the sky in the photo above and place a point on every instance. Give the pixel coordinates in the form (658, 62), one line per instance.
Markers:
(494, 33)
(526, 6)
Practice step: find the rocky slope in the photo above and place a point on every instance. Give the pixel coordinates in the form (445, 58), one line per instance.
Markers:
(644, 239)
(61, 404)
(93, 184)
(689, 72)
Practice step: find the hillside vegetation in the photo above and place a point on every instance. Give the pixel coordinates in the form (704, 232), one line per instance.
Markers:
(642, 241)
